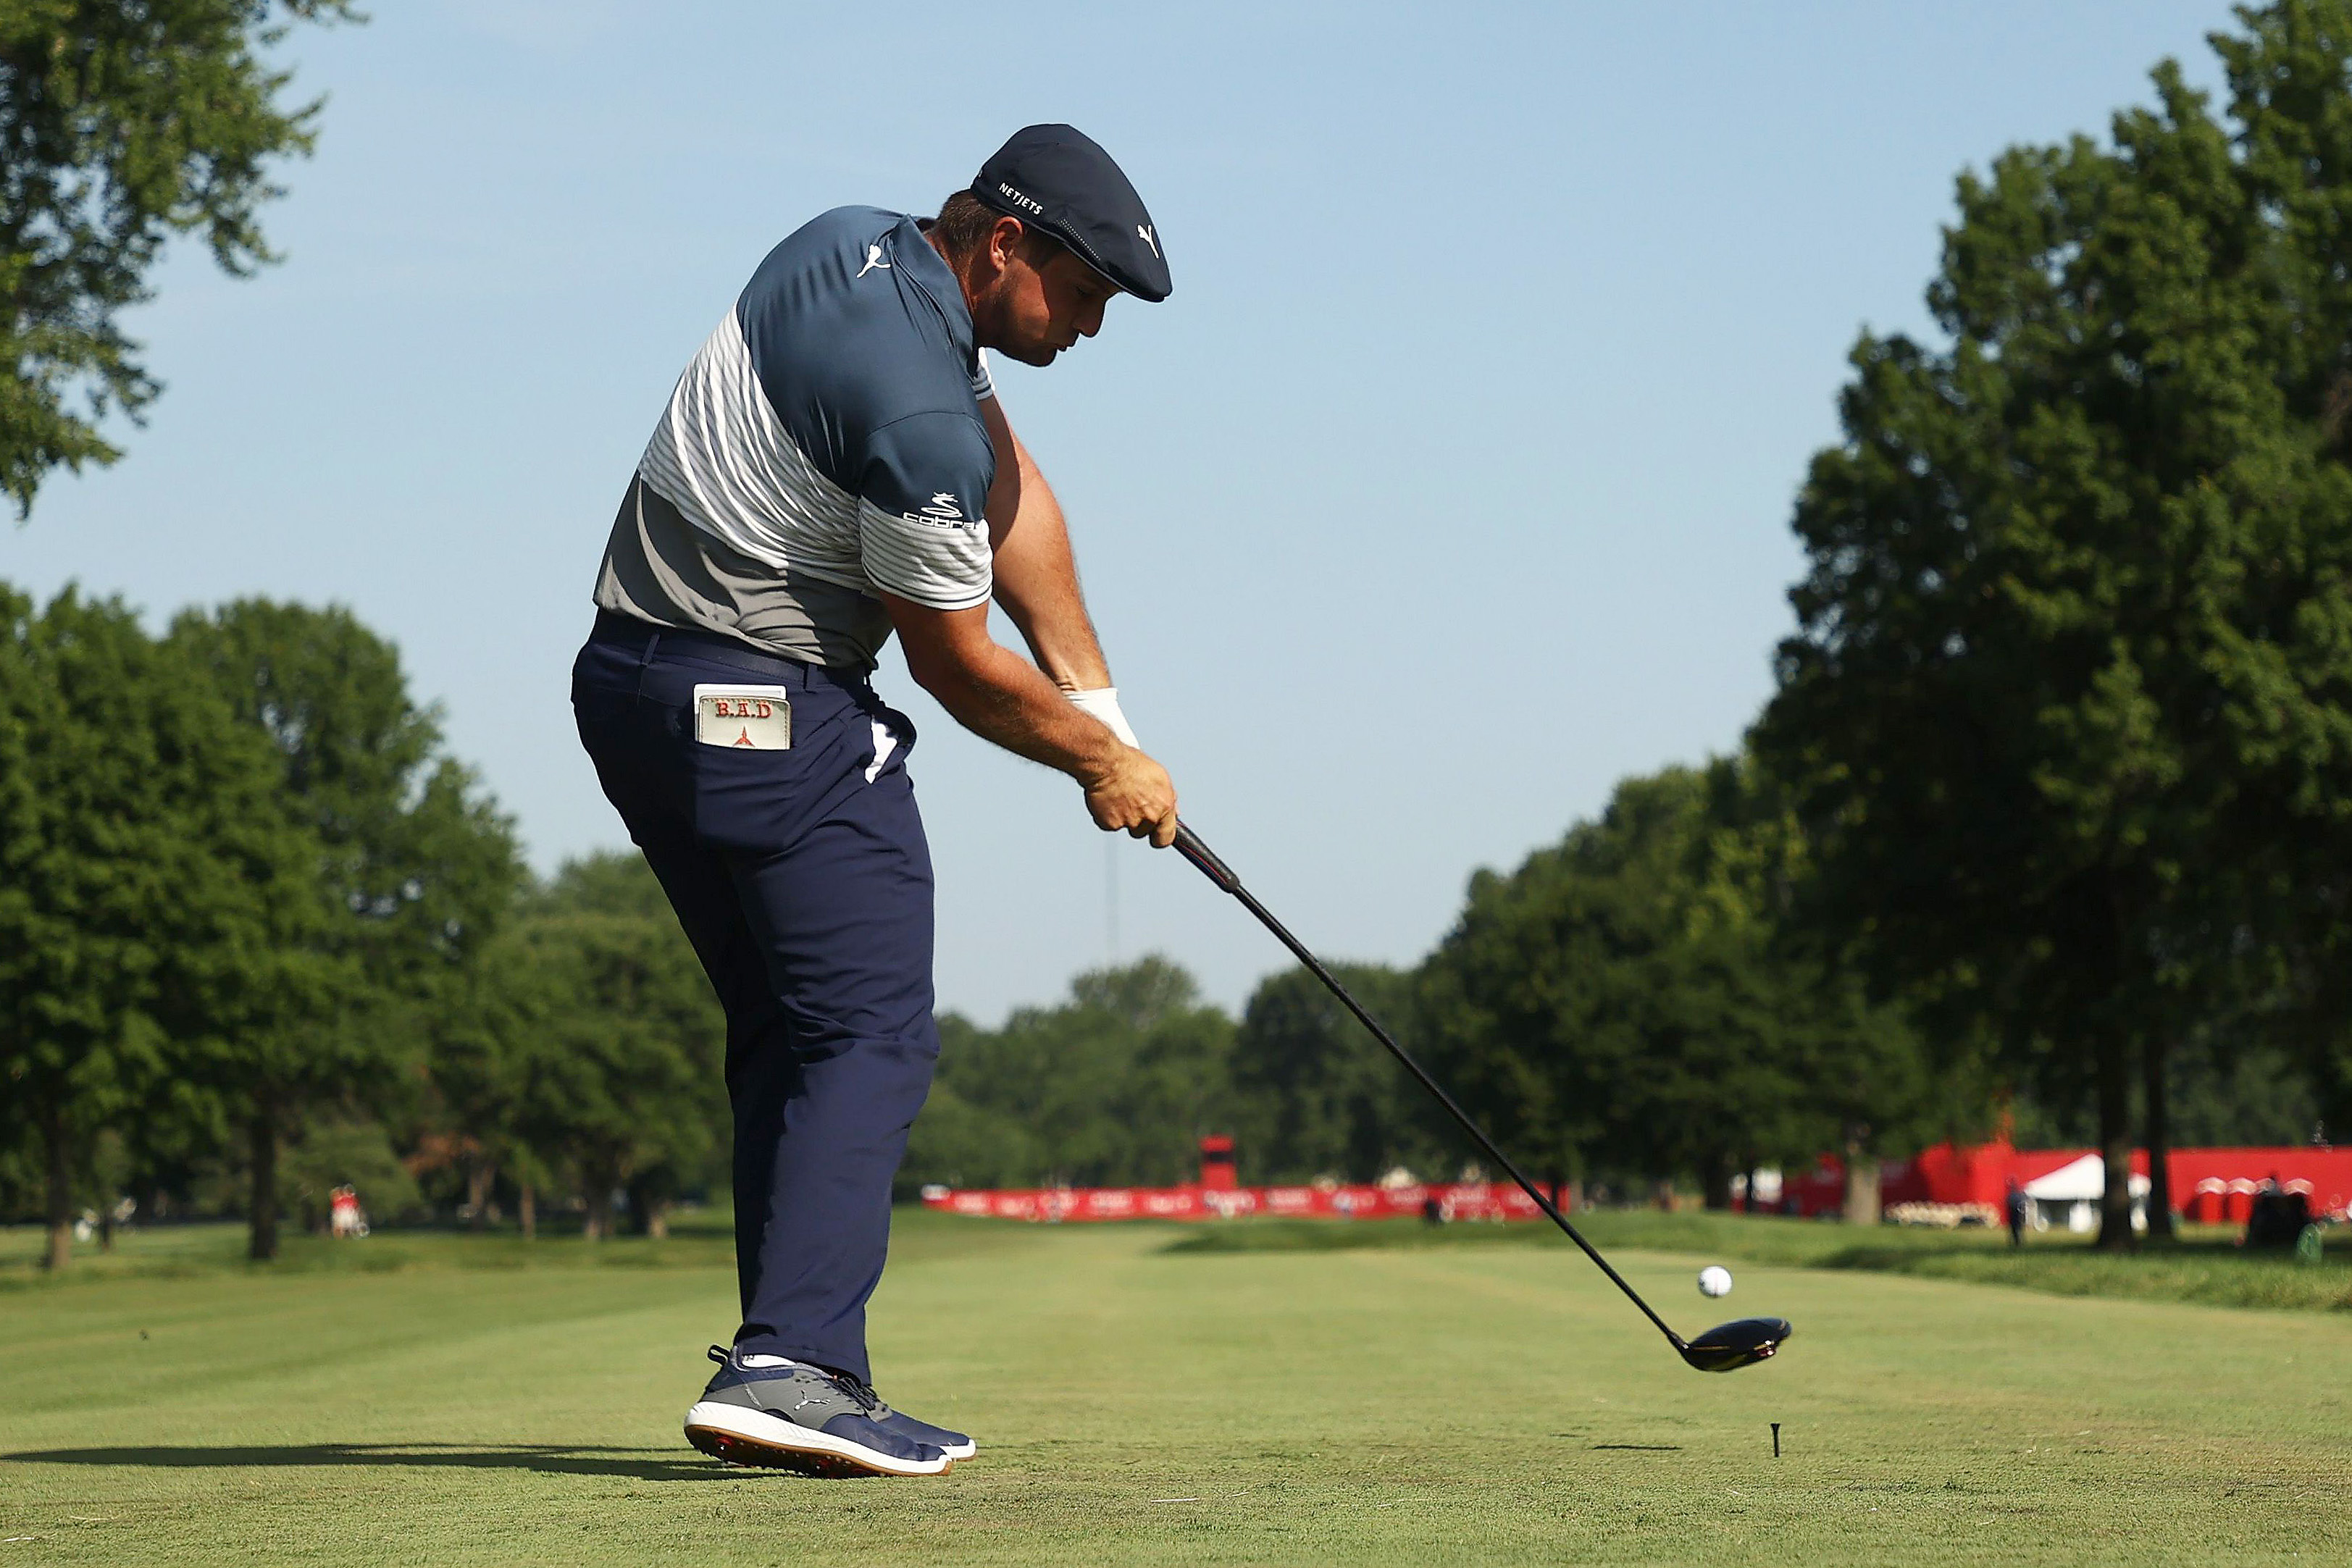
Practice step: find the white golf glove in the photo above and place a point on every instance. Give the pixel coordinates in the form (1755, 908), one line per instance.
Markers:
(1102, 702)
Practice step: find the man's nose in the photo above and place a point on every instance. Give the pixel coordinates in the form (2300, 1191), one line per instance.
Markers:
(1091, 322)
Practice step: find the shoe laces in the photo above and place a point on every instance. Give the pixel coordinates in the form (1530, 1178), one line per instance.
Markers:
(860, 1392)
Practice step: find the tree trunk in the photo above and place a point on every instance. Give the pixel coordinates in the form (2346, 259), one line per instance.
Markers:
(1861, 1178)
(2153, 1115)
(599, 1225)
(479, 1174)
(649, 1207)
(262, 1246)
(527, 1210)
(56, 1181)
(2115, 1141)
(1715, 1182)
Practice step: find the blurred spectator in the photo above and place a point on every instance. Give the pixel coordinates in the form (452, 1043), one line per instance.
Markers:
(2278, 1217)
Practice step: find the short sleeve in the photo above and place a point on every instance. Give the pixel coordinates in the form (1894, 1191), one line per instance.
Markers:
(922, 529)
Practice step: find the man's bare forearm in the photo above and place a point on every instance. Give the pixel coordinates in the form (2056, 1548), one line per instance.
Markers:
(1002, 697)
(1036, 572)
(1037, 584)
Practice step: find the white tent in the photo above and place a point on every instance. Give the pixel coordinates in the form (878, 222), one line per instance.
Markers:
(2070, 1193)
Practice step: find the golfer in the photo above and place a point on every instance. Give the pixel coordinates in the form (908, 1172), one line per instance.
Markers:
(833, 468)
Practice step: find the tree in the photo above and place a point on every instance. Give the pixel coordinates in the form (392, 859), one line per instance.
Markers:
(2069, 692)
(122, 122)
(585, 1044)
(489, 1031)
(2287, 88)
(1633, 999)
(1319, 1095)
(149, 890)
(1115, 1085)
(414, 865)
(612, 1047)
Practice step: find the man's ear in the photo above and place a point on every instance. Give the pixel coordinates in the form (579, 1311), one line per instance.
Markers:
(1004, 237)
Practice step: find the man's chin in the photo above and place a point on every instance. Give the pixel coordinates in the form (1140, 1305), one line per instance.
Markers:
(1039, 354)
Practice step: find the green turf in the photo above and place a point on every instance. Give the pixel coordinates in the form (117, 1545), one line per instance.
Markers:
(2205, 1265)
(700, 1240)
(1418, 1405)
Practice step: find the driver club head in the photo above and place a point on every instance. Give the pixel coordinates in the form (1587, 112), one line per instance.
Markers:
(1728, 1347)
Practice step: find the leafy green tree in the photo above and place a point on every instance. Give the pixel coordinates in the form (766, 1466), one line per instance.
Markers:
(414, 864)
(150, 895)
(963, 1142)
(20, 1169)
(1633, 1001)
(585, 1046)
(613, 1048)
(1114, 1086)
(694, 1154)
(2290, 104)
(1317, 1093)
(477, 1031)
(355, 1153)
(122, 123)
(487, 1029)
(2068, 703)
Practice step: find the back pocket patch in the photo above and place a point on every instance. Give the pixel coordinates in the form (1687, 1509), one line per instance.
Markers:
(759, 718)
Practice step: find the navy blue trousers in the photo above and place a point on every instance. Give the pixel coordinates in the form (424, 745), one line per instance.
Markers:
(803, 879)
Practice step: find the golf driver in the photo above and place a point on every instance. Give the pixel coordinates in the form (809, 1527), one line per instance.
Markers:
(1725, 1348)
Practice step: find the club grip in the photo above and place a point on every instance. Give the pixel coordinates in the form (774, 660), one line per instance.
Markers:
(1189, 845)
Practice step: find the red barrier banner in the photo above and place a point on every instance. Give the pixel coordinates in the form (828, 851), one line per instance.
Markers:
(1490, 1201)
(1978, 1177)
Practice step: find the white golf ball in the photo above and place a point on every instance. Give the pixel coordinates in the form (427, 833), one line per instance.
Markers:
(1715, 1279)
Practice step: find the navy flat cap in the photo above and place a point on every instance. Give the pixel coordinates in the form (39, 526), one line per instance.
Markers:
(1055, 179)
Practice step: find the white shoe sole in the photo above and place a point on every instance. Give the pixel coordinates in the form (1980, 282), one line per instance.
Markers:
(746, 1437)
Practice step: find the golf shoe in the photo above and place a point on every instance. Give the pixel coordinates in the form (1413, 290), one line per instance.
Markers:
(787, 1414)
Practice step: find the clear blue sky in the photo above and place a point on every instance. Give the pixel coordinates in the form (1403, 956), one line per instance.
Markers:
(1451, 485)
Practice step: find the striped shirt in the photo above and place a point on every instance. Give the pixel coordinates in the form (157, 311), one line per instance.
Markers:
(823, 446)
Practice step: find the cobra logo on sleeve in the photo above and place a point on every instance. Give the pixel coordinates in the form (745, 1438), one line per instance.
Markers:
(944, 511)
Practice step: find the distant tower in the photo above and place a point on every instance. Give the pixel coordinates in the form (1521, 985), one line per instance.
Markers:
(1217, 1164)
(1110, 897)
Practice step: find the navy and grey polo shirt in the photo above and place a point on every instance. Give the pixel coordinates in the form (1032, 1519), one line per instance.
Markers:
(823, 446)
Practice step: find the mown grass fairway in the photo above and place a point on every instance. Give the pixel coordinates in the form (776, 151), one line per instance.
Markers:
(2207, 1265)
(1412, 1405)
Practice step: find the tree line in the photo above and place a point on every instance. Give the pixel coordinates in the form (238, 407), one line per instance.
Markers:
(1651, 1000)
(2051, 805)
(2049, 814)
(260, 935)
(2068, 716)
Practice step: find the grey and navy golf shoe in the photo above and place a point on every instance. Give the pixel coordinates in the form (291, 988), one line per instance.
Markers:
(955, 1445)
(788, 1415)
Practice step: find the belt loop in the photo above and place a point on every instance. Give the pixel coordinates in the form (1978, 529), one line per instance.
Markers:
(645, 661)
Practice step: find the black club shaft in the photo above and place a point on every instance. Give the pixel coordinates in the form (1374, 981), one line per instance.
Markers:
(1189, 845)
